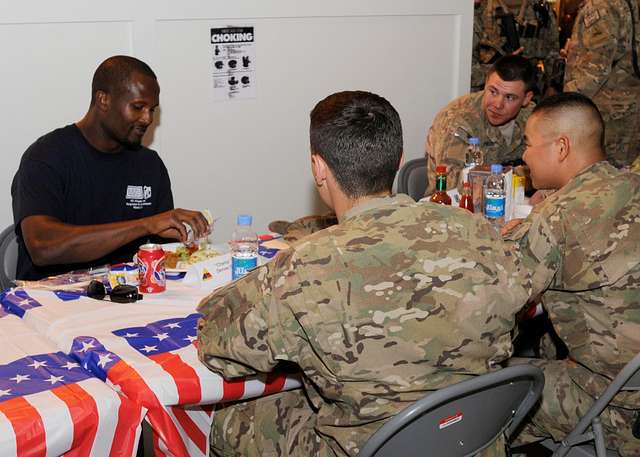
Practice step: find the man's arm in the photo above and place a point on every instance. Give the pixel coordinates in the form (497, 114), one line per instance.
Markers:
(247, 326)
(443, 148)
(592, 50)
(51, 242)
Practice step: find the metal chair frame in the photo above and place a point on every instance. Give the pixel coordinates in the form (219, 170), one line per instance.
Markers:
(8, 257)
(461, 419)
(589, 428)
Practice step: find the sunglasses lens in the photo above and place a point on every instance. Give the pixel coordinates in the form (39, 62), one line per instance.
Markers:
(96, 290)
(125, 294)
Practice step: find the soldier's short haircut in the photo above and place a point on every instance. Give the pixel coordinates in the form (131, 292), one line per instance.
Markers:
(573, 101)
(112, 75)
(515, 68)
(359, 135)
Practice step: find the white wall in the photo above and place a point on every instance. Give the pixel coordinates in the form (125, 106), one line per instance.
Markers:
(241, 155)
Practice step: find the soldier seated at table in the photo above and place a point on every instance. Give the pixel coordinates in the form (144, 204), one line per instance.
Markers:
(581, 251)
(398, 299)
(496, 116)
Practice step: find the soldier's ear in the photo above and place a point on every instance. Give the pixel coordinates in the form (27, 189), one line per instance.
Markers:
(563, 144)
(527, 98)
(319, 169)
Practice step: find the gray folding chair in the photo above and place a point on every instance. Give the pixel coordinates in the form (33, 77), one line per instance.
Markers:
(8, 257)
(589, 428)
(412, 178)
(462, 419)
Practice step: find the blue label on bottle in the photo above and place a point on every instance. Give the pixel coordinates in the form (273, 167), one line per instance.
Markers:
(240, 266)
(494, 207)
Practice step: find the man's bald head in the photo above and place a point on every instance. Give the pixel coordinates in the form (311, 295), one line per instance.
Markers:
(112, 75)
(576, 116)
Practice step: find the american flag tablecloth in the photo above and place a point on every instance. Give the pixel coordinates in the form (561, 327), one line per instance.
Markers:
(147, 350)
(50, 405)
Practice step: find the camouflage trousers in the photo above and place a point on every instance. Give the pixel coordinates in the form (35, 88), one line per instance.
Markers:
(280, 425)
(273, 426)
(563, 404)
(622, 139)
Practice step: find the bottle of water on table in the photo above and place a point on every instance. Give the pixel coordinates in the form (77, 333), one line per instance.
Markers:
(495, 197)
(244, 247)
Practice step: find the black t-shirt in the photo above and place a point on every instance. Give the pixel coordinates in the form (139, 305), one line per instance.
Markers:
(63, 176)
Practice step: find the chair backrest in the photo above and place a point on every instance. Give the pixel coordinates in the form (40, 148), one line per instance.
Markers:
(461, 419)
(8, 257)
(628, 379)
(412, 178)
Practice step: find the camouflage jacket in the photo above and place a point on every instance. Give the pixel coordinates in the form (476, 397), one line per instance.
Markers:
(540, 40)
(398, 299)
(487, 42)
(466, 116)
(599, 63)
(581, 247)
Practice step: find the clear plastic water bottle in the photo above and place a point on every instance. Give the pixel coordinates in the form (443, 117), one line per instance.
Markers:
(473, 158)
(244, 247)
(495, 197)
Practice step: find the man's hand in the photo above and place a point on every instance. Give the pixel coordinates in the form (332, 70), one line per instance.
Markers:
(506, 228)
(171, 224)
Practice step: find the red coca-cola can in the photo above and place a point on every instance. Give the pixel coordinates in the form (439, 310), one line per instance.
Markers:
(152, 272)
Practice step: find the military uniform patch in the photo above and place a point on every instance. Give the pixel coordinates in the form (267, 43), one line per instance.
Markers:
(591, 16)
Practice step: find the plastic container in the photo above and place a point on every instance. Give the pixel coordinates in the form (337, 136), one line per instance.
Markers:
(244, 247)
(473, 157)
(495, 197)
(466, 199)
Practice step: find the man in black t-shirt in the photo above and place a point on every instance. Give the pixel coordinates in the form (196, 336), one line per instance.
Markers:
(89, 193)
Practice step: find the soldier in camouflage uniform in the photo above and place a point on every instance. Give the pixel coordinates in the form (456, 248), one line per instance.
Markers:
(497, 116)
(539, 37)
(580, 249)
(487, 44)
(398, 299)
(600, 64)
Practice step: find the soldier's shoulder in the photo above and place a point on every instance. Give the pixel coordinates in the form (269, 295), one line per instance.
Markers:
(466, 108)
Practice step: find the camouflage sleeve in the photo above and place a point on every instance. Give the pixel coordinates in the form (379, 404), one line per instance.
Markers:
(241, 330)
(538, 252)
(592, 50)
(635, 166)
(443, 148)
(307, 225)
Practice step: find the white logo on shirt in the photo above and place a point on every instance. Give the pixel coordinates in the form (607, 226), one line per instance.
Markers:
(137, 196)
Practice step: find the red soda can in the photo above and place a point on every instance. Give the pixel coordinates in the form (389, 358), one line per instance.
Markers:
(152, 272)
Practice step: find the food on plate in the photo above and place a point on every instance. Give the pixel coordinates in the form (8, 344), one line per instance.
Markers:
(184, 256)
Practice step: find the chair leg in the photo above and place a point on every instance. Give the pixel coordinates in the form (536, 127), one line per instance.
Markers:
(598, 437)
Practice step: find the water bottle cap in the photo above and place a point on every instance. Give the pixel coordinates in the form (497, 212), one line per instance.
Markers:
(244, 219)
(474, 140)
(496, 168)
(441, 169)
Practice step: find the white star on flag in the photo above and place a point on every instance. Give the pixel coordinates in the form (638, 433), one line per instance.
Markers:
(131, 335)
(5, 392)
(190, 338)
(69, 365)
(37, 364)
(20, 377)
(86, 345)
(161, 336)
(149, 349)
(104, 359)
(173, 325)
(53, 379)
(25, 302)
